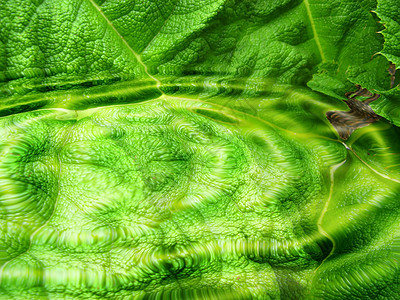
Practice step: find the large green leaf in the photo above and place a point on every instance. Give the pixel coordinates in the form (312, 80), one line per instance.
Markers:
(180, 150)
(388, 11)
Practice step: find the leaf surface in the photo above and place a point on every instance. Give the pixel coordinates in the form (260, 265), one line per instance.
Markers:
(180, 150)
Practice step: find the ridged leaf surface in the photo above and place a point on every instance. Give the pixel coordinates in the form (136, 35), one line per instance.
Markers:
(180, 150)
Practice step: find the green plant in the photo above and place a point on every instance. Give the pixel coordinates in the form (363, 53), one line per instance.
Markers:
(180, 149)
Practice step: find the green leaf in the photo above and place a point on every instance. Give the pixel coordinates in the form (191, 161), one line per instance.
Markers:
(388, 11)
(180, 150)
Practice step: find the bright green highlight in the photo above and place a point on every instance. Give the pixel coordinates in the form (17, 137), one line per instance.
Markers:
(179, 149)
(132, 199)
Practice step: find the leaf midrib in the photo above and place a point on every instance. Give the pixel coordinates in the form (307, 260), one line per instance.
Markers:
(314, 30)
(136, 55)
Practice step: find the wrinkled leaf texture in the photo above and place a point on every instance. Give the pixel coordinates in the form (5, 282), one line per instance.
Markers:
(179, 149)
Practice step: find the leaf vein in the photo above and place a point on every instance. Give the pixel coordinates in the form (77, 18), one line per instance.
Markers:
(137, 56)
(316, 37)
